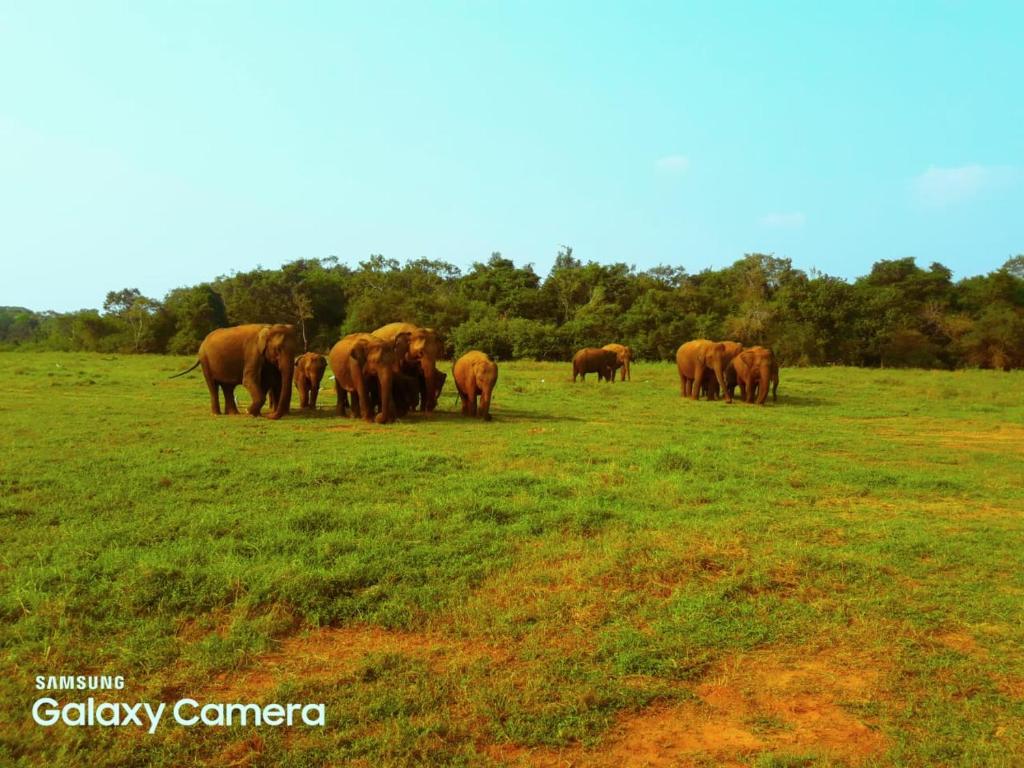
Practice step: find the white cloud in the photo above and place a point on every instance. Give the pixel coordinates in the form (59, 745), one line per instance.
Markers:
(793, 220)
(673, 163)
(947, 186)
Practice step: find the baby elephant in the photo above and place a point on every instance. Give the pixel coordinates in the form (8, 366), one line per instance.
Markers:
(475, 375)
(309, 372)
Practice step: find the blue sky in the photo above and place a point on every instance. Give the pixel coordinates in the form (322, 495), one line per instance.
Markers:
(154, 145)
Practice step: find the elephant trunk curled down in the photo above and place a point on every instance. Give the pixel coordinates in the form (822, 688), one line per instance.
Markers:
(258, 356)
(475, 376)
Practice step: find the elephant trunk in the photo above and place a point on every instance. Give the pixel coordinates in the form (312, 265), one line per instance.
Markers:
(429, 367)
(720, 375)
(764, 381)
(386, 382)
(485, 403)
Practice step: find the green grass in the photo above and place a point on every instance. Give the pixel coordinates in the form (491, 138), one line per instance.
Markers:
(597, 552)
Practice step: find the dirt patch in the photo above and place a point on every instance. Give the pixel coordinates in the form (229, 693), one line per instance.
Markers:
(1002, 439)
(961, 642)
(323, 656)
(756, 703)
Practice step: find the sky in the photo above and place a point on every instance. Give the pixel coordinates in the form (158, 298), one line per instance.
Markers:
(156, 145)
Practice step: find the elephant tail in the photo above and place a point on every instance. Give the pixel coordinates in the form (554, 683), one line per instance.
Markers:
(187, 370)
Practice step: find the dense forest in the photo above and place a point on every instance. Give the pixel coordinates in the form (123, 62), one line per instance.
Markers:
(899, 315)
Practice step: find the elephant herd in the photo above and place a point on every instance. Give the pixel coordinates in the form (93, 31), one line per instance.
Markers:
(385, 374)
(711, 367)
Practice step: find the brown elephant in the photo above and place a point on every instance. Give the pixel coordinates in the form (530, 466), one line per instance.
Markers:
(754, 369)
(358, 358)
(623, 357)
(475, 376)
(309, 372)
(258, 356)
(425, 350)
(695, 357)
(594, 360)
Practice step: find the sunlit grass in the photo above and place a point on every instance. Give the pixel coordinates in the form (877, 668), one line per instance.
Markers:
(616, 543)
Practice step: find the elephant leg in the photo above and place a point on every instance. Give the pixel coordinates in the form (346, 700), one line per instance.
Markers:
(698, 378)
(230, 406)
(421, 381)
(259, 397)
(314, 392)
(211, 385)
(303, 392)
(464, 398)
(342, 396)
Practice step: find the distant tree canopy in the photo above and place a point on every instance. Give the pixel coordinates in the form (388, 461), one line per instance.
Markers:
(898, 315)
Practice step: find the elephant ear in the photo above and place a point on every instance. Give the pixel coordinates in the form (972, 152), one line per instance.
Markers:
(261, 340)
(402, 342)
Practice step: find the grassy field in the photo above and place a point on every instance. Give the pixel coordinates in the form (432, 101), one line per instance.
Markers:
(604, 575)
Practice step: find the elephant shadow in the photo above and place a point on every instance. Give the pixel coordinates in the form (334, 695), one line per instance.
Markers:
(500, 414)
(803, 400)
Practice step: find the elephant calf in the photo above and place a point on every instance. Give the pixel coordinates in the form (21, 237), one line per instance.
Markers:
(475, 375)
(309, 372)
(594, 360)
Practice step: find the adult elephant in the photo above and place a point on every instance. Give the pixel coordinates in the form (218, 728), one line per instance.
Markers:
(309, 372)
(695, 357)
(424, 351)
(354, 361)
(258, 356)
(594, 360)
(475, 376)
(754, 369)
(623, 357)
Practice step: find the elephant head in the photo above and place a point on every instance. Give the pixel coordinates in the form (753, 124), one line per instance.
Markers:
(756, 368)
(270, 361)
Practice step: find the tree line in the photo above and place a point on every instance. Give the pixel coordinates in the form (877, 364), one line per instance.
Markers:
(898, 315)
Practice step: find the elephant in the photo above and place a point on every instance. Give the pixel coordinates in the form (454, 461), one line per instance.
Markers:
(354, 361)
(309, 372)
(594, 360)
(695, 357)
(623, 357)
(709, 384)
(259, 356)
(754, 369)
(475, 376)
(424, 352)
(405, 393)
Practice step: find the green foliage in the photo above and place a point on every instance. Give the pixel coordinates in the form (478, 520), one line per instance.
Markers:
(899, 315)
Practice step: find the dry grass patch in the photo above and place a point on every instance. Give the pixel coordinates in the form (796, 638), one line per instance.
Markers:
(761, 702)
